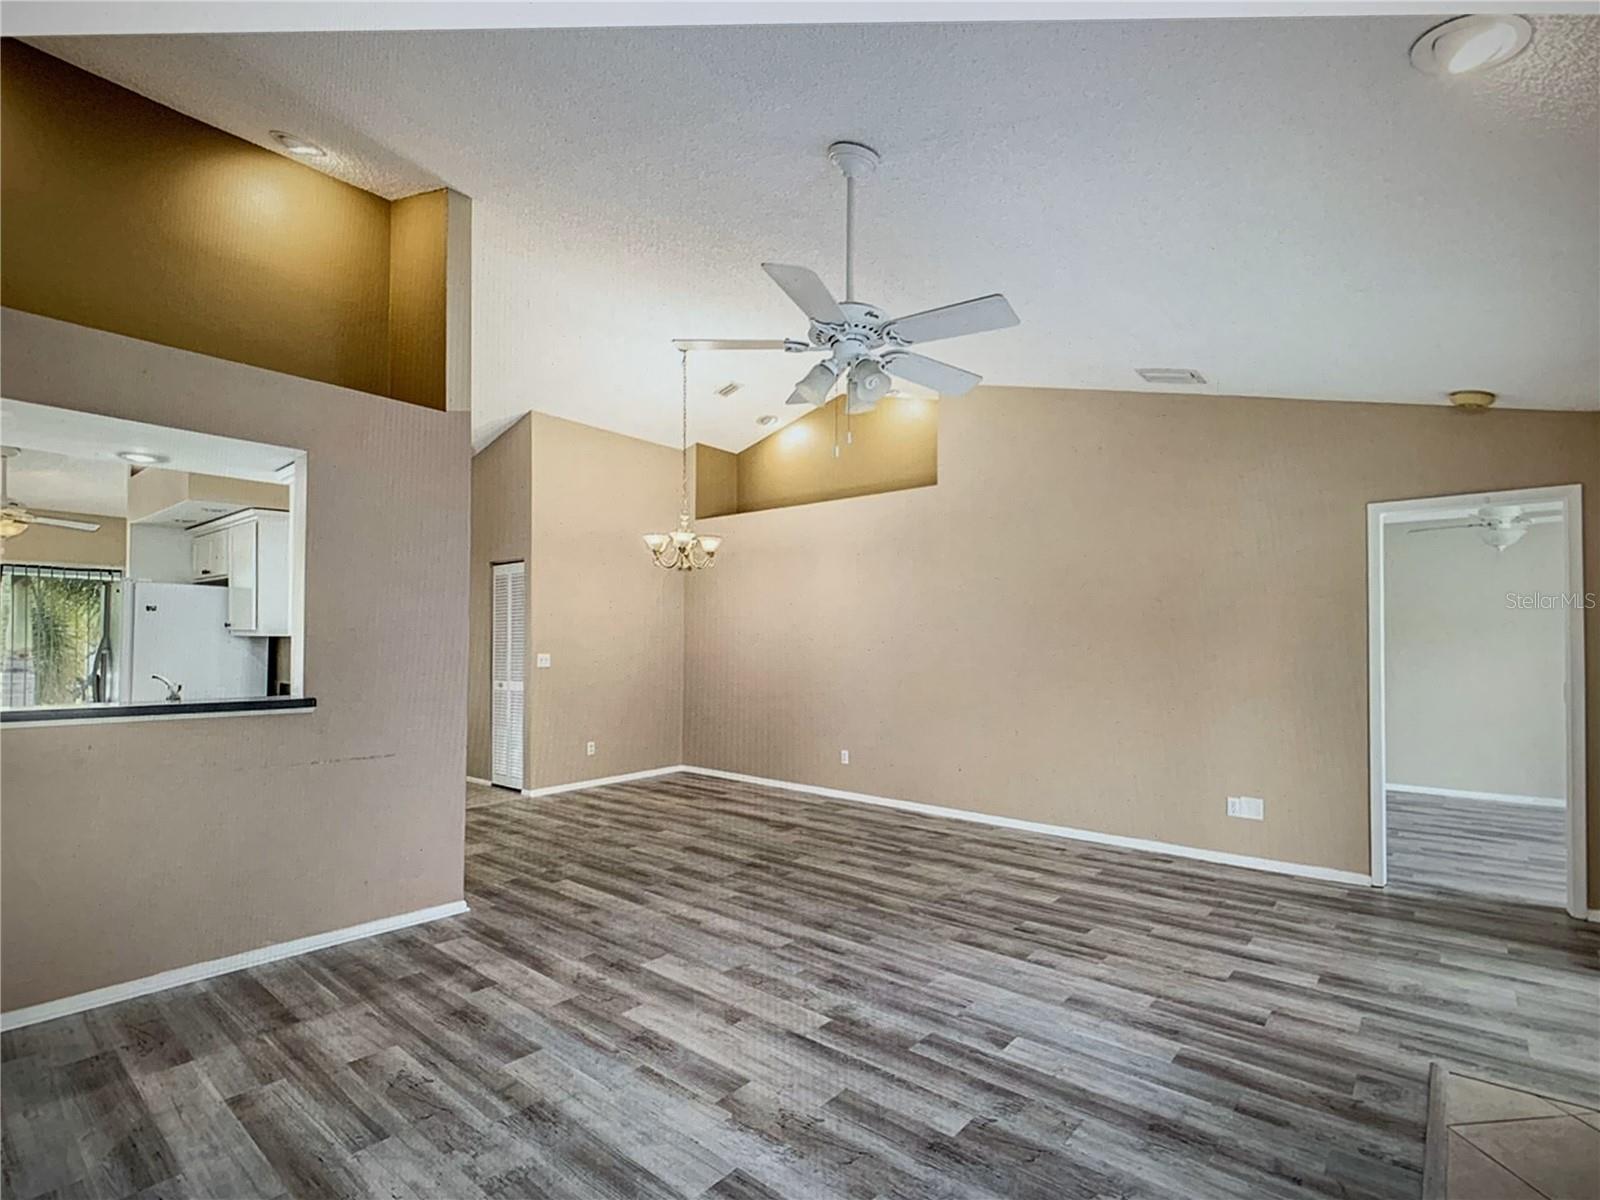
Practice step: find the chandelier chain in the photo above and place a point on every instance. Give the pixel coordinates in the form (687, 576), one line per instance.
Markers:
(683, 361)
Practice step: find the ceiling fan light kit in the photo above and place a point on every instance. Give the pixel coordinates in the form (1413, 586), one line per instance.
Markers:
(1498, 525)
(864, 346)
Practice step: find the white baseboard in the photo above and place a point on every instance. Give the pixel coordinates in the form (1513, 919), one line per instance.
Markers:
(480, 782)
(581, 784)
(1303, 870)
(1498, 797)
(117, 992)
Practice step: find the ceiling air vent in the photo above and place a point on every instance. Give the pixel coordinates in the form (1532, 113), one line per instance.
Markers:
(1181, 376)
(728, 389)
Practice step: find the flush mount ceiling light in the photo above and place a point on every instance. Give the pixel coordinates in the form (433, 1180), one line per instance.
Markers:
(1471, 43)
(141, 458)
(683, 549)
(297, 146)
(1473, 400)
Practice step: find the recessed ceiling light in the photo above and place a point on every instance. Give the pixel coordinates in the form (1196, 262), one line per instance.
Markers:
(141, 458)
(766, 419)
(1471, 43)
(299, 147)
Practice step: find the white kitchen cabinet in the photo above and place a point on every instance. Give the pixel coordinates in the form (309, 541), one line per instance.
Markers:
(210, 552)
(244, 542)
(251, 550)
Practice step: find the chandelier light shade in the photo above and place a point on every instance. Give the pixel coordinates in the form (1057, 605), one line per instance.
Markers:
(683, 549)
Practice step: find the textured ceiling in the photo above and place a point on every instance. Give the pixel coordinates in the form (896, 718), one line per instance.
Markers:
(1284, 205)
(48, 482)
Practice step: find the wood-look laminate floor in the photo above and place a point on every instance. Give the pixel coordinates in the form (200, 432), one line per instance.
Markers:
(685, 987)
(1514, 852)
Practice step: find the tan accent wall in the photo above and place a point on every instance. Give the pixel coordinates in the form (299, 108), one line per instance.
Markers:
(713, 481)
(44, 546)
(121, 214)
(502, 531)
(894, 446)
(610, 619)
(417, 241)
(182, 841)
(1114, 611)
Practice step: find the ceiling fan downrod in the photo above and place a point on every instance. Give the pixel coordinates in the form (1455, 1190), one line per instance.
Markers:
(854, 161)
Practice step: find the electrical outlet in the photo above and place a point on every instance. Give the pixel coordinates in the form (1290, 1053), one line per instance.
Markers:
(591, 750)
(1250, 808)
(844, 757)
(542, 661)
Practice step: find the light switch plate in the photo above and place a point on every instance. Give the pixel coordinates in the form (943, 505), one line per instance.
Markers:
(1250, 808)
(542, 661)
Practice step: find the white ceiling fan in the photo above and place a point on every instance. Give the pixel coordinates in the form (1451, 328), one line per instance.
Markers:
(864, 346)
(15, 519)
(1499, 525)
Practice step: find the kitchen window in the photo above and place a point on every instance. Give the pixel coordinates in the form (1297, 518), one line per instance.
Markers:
(55, 644)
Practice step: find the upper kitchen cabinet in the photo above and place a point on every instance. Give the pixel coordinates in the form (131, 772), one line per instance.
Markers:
(254, 548)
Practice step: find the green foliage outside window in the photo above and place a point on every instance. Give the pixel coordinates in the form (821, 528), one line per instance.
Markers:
(51, 628)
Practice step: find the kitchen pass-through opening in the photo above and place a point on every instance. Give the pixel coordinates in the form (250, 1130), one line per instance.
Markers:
(145, 565)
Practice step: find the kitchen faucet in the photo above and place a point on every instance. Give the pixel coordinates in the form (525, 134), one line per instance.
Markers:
(174, 690)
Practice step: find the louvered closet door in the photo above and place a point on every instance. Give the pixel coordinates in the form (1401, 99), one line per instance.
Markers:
(509, 655)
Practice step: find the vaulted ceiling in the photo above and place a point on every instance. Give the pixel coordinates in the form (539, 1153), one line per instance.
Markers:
(1284, 205)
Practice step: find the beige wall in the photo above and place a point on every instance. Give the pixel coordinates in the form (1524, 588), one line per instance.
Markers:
(40, 544)
(894, 446)
(502, 531)
(610, 619)
(1475, 685)
(134, 848)
(237, 251)
(1114, 611)
(713, 481)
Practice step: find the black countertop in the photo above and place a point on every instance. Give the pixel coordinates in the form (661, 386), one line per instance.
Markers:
(159, 708)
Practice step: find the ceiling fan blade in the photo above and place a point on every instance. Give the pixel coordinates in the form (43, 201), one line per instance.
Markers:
(931, 373)
(730, 344)
(1436, 526)
(954, 320)
(807, 291)
(80, 526)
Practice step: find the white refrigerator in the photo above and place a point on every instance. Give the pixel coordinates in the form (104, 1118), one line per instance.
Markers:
(180, 630)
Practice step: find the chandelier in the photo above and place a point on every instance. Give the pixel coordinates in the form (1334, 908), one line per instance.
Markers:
(683, 549)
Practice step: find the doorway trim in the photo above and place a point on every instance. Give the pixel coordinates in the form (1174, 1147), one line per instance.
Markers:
(1382, 514)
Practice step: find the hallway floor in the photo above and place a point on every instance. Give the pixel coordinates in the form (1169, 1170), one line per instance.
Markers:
(1515, 852)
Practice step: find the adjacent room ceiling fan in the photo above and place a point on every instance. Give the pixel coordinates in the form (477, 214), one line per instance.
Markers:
(15, 519)
(864, 346)
(1499, 525)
